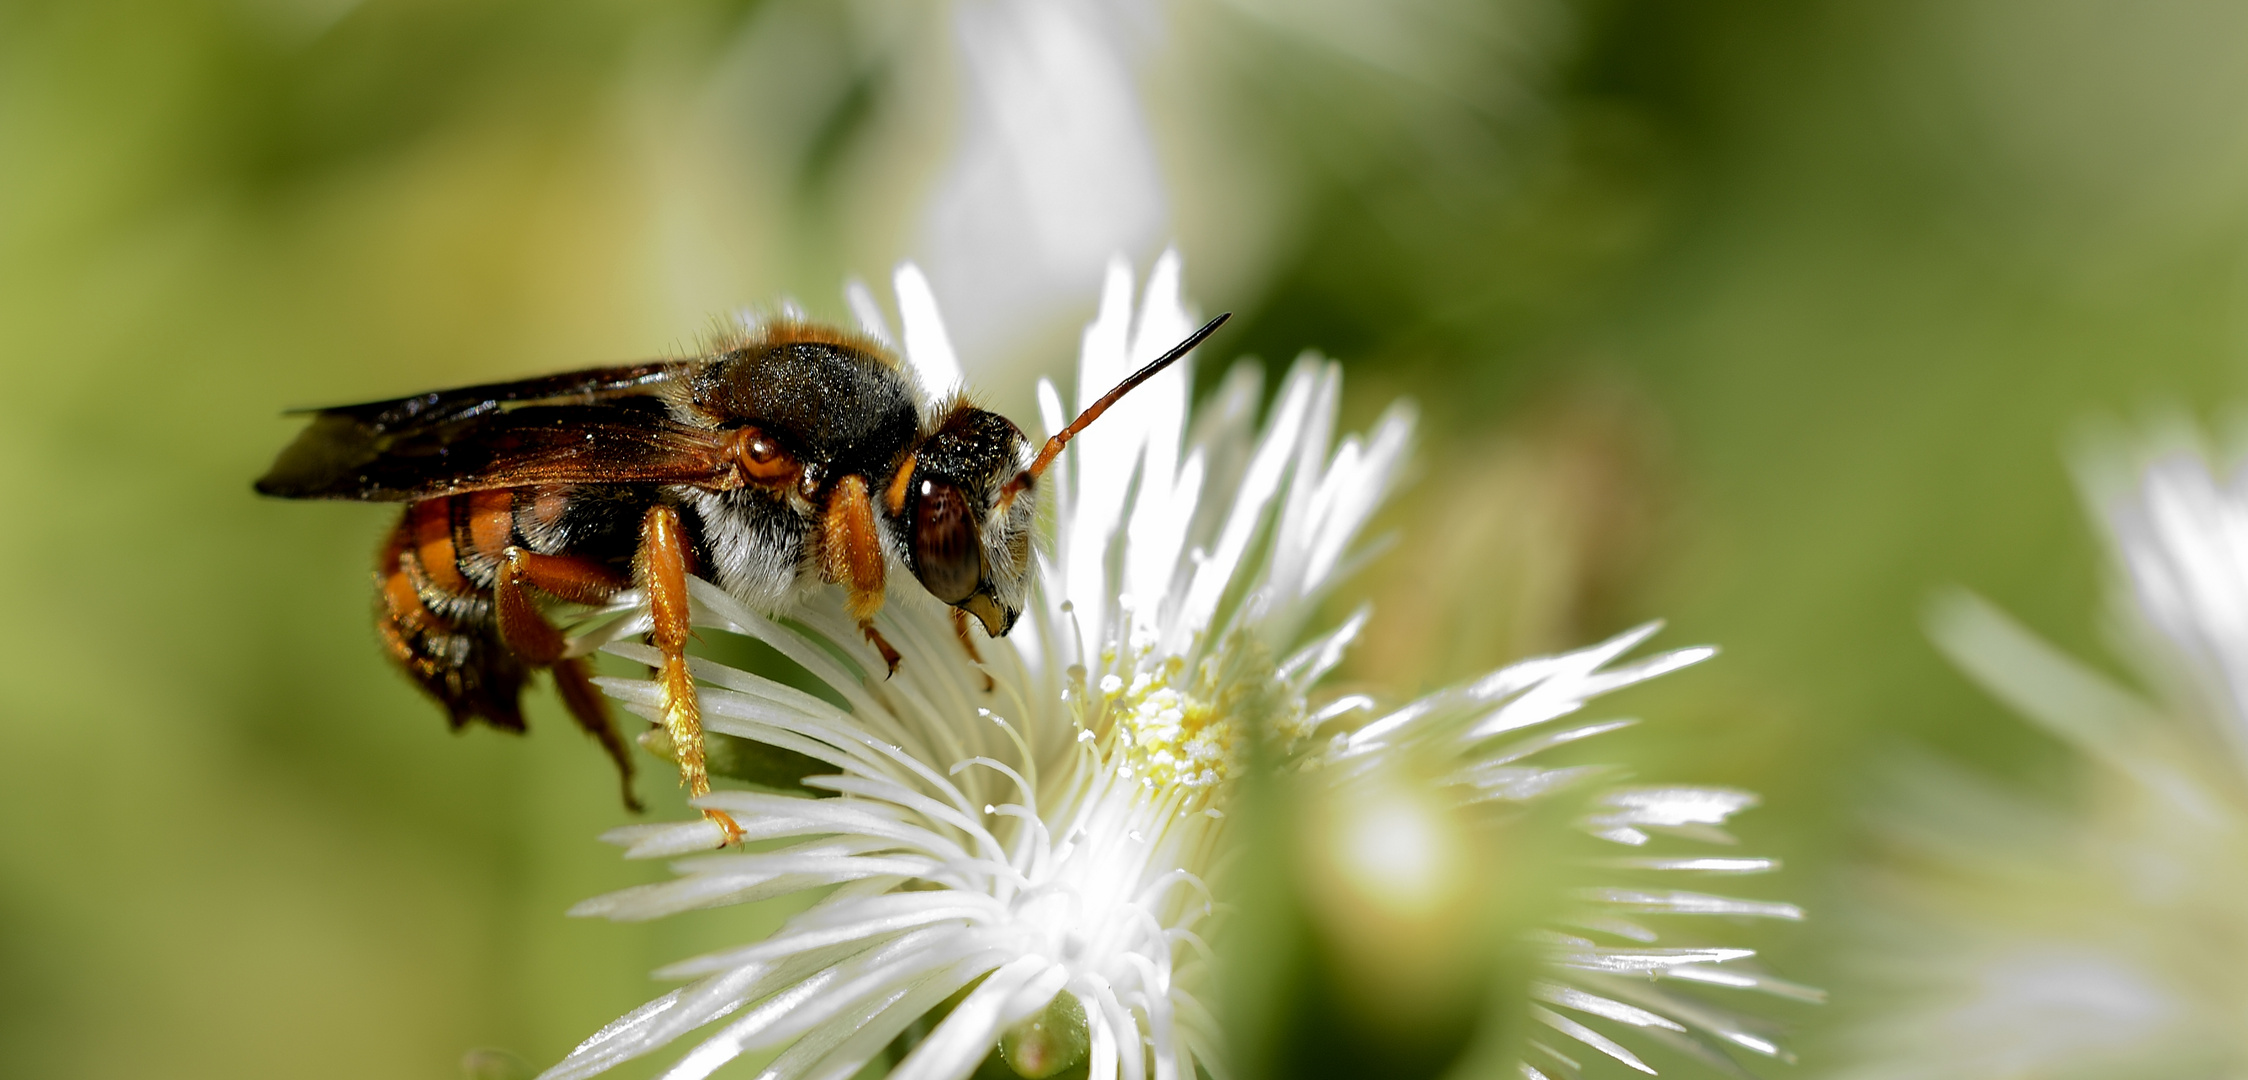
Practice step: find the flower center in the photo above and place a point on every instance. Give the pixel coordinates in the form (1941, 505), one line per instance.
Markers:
(1176, 726)
(1169, 737)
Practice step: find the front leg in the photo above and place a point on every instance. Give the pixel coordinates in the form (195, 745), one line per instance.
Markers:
(851, 554)
(663, 574)
(960, 631)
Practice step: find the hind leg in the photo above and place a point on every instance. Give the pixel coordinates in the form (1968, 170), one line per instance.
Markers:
(591, 712)
(530, 636)
(460, 662)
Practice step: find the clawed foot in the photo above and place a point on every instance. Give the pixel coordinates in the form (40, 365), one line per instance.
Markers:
(882, 645)
(960, 631)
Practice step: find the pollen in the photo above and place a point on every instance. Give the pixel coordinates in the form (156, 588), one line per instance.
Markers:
(1167, 736)
(1176, 723)
(1181, 726)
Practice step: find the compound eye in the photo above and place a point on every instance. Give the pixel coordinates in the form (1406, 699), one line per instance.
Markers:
(947, 556)
(762, 458)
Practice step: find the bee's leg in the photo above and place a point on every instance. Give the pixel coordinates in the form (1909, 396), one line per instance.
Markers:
(890, 656)
(460, 663)
(566, 577)
(481, 673)
(960, 630)
(663, 569)
(530, 636)
(851, 553)
(574, 683)
(526, 632)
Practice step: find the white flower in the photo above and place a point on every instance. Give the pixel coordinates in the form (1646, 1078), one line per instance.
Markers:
(1032, 840)
(1490, 731)
(2104, 937)
(2181, 536)
(1053, 168)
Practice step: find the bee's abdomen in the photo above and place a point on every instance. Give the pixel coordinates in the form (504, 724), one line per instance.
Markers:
(433, 584)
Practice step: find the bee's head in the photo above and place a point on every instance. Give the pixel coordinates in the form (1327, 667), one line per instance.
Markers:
(965, 539)
(970, 494)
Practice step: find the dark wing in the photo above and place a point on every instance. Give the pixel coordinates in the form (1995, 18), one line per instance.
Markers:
(343, 454)
(570, 387)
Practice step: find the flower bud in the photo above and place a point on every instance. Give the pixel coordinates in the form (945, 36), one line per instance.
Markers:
(491, 1063)
(1053, 1039)
(743, 759)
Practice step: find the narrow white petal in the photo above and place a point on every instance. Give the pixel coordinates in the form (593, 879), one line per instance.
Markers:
(1614, 926)
(1694, 864)
(657, 1023)
(1130, 1059)
(966, 1036)
(1695, 1014)
(798, 964)
(1573, 998)
(665, 840)
(1314, 661)
(1687, 903)
(1537, 744)
(857, 1039)
(622, 1039)
(1589, 1037)
(1050, 412)
(816, 1000)
(644, 902)
(1521, 784)
(927, 347)
(867, 311)
(1246, 514)
(1101, 1058)
(2062, 695)
(1673, 805)
(1627, 960)
(1745, 980)
(1033, 995)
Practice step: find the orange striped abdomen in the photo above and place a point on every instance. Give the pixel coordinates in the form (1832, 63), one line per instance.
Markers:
(433, 582)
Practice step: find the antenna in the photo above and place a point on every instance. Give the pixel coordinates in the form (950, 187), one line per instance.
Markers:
(1024, 479)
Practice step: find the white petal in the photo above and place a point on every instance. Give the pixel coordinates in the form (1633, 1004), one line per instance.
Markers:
(1745, 980)
(965, 1037)
(1571, 997)
(1695, 864)
(1661, 806)
(1589, 1037)
(1245, 516)
(927, 347)
(1643, 960)
(817, 1000)
(845, 1046)
(867, 311)
(1687, 903)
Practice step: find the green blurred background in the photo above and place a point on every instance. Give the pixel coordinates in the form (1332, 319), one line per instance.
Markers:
(1765, 318)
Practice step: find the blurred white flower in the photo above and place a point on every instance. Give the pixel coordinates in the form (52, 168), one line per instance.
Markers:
(2181, 537)
(1603, 957)
(2033, 941)
(1021, 853)
(1053, 169)
(1059, 109)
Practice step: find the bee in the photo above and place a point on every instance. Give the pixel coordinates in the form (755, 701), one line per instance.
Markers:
(791, 456)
